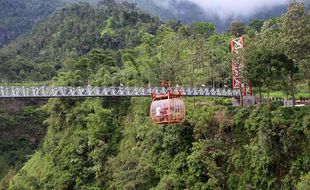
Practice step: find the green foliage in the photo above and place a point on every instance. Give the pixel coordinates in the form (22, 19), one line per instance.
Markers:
(70, 32)
(296, 28)
(256, 25)
(236, 28)
(281, 49)
(81, 135)
(91, 144)
(21, 133)
(203, 29)
(304, 182)
(267, 68)
(271, 150)
(18, 16)
(110, 143)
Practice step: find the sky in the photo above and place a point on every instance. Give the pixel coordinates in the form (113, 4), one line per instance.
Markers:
(234, 8)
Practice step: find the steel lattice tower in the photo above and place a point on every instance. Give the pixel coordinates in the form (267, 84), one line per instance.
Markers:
(239, 81)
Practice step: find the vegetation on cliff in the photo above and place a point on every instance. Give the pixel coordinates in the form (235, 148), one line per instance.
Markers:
(22, 130)
(110, 143)
(92, 145)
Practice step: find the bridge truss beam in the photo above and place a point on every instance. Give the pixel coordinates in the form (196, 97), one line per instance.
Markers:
(90, 91)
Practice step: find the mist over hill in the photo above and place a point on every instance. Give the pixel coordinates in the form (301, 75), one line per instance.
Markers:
(221, 13)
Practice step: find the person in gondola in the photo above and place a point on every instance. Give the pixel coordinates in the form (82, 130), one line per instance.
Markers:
(158, 111)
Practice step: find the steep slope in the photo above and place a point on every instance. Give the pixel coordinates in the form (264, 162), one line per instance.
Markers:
(81, 136)
(90, 146)
(71, 32)
(21, 131)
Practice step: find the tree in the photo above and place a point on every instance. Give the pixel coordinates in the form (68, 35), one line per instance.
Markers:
(202, 28)
(296, 38)
(304, 182)
(256, 25)
(266, 67)
(296, 32)
(236, 28)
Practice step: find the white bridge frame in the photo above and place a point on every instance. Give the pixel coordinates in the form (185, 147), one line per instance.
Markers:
(90, 91)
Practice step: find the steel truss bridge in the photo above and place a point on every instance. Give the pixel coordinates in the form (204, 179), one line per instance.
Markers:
(91, 91)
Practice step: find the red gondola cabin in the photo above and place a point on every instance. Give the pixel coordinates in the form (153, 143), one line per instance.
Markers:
(167, 108)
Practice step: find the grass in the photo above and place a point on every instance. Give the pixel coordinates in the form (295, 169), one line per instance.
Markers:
(39, 166)
(302, 92)
(279, 94)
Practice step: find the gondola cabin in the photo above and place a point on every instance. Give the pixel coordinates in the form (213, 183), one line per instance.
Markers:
(167, 108)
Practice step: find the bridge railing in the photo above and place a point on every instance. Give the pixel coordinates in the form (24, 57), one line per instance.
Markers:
(91, 91)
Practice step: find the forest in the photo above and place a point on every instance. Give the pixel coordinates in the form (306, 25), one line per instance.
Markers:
(110, 143)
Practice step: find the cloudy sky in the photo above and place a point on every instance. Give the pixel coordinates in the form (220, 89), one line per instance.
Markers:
(234, 8)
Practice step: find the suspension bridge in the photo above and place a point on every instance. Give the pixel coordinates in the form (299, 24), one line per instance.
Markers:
(241, 86)
(91, 91)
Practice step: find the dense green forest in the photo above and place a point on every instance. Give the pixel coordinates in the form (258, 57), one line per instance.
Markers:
(18, 16)
(39, 55)
(97, 144)
(22, 130)
(110, 143)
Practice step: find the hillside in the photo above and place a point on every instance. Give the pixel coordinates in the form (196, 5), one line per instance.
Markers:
(68, 33)
(91, 144)
(111, 143)
(18, 16)
(22, 131)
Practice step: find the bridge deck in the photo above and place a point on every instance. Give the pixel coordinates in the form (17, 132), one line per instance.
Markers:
(90, 91)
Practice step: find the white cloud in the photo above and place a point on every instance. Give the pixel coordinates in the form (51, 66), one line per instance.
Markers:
(235, 8)
(230, 8)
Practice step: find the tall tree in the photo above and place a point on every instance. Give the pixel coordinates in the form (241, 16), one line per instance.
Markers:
(266, 67)
(203, 29)
(237, 28)
(296, 38)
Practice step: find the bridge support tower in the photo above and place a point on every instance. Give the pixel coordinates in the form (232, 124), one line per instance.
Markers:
(239, 81)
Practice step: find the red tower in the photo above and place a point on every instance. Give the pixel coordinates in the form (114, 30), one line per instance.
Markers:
(239, 82)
